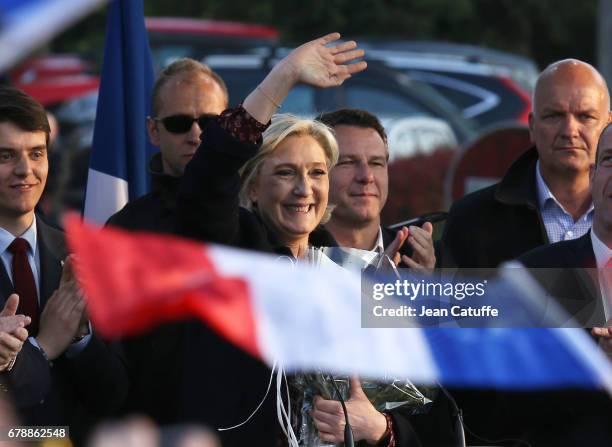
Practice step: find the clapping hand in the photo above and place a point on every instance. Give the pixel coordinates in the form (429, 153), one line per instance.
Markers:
(12, 332)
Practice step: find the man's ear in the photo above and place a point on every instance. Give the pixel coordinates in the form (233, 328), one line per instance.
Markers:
(153, 131)
(530, 121)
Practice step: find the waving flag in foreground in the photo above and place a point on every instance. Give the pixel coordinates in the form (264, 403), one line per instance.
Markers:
(120, 148)
(306, 318)
(27, 24)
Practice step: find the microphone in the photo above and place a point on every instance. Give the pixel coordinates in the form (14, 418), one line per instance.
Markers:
(458, 413)
(348, 431)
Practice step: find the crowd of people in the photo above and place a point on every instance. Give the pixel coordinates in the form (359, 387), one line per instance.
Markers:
(256, 179)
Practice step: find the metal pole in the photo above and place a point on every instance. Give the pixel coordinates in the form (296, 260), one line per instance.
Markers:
(604, 34)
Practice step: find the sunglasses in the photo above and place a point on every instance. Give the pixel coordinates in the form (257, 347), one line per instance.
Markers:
(183, 123)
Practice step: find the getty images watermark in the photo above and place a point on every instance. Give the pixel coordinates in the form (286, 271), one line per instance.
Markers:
(471, 298)
(406, 290)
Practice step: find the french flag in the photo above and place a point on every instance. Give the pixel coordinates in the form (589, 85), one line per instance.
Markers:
(121, 149)
(309, 319)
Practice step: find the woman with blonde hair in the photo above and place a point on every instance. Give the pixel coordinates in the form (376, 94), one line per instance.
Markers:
(283, 177)
(286, 183)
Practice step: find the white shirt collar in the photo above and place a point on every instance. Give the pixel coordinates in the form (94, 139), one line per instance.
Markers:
(544, 192)
(29, 235)
(601, 250)
(379, 246)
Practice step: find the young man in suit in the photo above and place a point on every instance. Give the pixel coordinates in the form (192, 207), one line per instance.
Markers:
(63, 367)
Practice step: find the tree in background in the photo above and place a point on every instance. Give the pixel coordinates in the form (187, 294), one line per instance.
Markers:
(545, 30)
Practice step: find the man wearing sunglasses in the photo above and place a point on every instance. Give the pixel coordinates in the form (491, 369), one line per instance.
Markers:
(186, 95)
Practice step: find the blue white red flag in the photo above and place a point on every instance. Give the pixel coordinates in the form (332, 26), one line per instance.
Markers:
(121, 150)
(308, 319)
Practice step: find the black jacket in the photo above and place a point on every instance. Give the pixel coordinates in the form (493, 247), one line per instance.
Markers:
(154, 359)
(155, 211)
(231, 382)
(69, 391)
(484, 229)
(208, 204)
(567, 271)
(222, 385)
(498, 223)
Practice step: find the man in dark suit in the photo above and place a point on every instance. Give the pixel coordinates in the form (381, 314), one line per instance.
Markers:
(580, 278)
(62, 368)
(544, 197)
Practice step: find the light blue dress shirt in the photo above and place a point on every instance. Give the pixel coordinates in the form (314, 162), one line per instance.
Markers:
(560, 225)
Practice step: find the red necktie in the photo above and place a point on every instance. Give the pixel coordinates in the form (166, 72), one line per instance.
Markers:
(23, 281)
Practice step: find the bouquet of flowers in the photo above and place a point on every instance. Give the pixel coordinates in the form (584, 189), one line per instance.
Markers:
(384, 395)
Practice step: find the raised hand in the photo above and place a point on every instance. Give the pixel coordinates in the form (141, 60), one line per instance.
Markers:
(316, 64)
(312, 63)
(420, 239)
(69, 277)
(62, 316)
(393, 250)
(423, 254)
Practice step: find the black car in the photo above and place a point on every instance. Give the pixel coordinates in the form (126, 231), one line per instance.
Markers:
(489, 86)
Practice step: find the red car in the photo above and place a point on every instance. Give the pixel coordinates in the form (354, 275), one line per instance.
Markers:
(55, 78)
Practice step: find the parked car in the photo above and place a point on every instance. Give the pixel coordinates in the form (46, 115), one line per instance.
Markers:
(489, 86)
(174, 37)
(54, 78)
(424, 129)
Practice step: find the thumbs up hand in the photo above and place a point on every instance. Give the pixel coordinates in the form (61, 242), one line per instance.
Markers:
(367, 423)
(12, 332)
